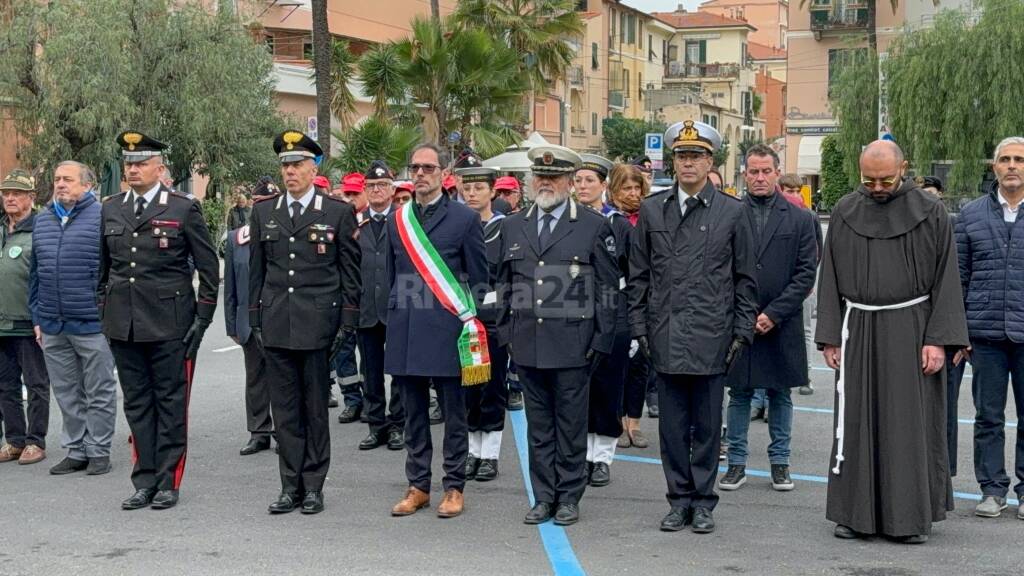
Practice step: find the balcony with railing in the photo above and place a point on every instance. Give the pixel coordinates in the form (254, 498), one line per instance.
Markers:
(829, 16)
(686, 71)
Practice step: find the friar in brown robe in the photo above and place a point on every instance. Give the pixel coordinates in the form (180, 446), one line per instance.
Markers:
(889, 273)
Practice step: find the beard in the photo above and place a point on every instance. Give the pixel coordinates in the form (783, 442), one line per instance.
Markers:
(546, 201)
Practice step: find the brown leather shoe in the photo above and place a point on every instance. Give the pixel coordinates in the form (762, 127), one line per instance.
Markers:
(452, 504)
(9, 453)
(413, 501)
(32, 454)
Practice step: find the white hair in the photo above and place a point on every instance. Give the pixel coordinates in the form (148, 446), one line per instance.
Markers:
(1004, 143)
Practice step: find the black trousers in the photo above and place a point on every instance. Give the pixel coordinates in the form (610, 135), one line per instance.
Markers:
(257, 391)
(556, 418)
(690, 428)
(954, 376)
(298, 401)
(381, 415)
(156, 383)
(415, 391)
(636, 385)
(486, 404)
(606, 389)
(21, 361)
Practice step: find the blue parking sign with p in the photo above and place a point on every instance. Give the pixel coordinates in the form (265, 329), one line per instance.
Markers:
(653, 142)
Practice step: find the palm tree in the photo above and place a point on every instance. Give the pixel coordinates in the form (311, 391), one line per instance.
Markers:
(322, 68)
(343, 63)
(536, 30)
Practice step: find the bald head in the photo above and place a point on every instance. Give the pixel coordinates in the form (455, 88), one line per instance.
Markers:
(881, 168)
(882, 150)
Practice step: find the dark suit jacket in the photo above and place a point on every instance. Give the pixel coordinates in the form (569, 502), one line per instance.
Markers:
(422, 335)
(145, 284)
(373, 302)
(557, 303)
(786, 256)
(691, 284)
(303, 277)
(236, 285)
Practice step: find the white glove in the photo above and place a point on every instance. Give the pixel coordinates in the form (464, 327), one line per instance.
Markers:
(634, 347)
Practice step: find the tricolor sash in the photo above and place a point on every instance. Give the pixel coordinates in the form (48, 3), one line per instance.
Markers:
(473, 354)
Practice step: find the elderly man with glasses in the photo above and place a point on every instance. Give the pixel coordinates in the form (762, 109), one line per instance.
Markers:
(889, 302)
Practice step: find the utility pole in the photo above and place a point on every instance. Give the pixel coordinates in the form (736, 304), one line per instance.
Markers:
(322, 68)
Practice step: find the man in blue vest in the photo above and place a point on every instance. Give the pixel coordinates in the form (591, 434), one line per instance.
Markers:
(66, 249)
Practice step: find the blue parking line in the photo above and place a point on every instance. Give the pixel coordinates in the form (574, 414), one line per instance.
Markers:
(804, 477)
(965, 421)
(556, 542)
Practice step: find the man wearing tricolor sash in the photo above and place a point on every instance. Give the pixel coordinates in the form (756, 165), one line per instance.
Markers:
(438, 269)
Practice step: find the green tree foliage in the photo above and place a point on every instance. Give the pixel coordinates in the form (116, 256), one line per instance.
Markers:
(954, 89)
(624, 137)
(460, 78)
(721, 156)
(373, 139)
(535, 30)
(78, 73)
(834, 181)
(854, 102)
(343, 68)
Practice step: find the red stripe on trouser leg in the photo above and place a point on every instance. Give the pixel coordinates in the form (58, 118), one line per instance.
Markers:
(179, 470)
(131, 445)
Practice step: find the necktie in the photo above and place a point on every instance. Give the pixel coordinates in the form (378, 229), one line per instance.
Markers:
(690, 202)
(377, 223)
(545, 230)
(140, 205)
(296, 211)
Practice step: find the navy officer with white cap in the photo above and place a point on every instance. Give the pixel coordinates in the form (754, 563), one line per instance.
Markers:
(304, 285)
(556, 296)
(692, 304)
(152, 236)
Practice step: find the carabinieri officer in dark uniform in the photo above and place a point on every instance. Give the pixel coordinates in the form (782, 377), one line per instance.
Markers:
(303, 285)
(151, 316)
(556, 294)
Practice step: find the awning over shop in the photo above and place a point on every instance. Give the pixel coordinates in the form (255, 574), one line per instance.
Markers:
(809, 156)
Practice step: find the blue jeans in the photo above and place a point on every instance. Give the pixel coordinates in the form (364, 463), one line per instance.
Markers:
(780, 425)
(760, 399)
(994, 363)
(349, 379)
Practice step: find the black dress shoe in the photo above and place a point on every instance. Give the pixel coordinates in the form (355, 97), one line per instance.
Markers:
(487, 471)
(677, 519)
(313, 503)
(540, 513)
(286, 502)
(472, 463)
(567, 514)
(349, 414)
(703, 521)
(141, 499)
(165, 499)
(601, 475)
(255, 444)
(373, 440)
(396, 440)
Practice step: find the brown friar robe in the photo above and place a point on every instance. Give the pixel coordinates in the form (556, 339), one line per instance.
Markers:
(895, 476)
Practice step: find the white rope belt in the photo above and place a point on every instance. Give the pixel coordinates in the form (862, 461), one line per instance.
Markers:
(841, 383)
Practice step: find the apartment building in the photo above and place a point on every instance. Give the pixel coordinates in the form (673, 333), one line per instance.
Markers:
(770, 17)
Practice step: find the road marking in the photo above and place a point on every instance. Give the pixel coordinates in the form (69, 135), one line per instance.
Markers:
(228, 349)
(556, 542)
(967, 375)
(829, 411)
(804, 477)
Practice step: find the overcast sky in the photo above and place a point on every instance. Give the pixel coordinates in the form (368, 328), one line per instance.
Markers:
(661, 5)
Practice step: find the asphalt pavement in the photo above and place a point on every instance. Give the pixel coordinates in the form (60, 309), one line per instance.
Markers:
(74, 525)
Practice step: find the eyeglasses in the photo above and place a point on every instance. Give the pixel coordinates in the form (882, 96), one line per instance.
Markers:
(428, 169)
(689, 156)
(884, 182)
(378, 185)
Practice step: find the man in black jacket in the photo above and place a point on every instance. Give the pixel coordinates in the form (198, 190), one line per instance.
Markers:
(303, 286)
(692, 300)
(152, 238)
